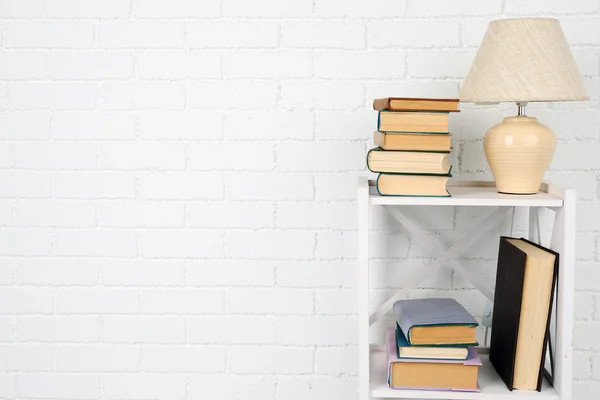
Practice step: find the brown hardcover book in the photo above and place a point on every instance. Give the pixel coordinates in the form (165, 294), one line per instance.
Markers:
(412, 185)
(415, 104)
(411, 141)
(525, 281)
(417, 122)
(408, 162)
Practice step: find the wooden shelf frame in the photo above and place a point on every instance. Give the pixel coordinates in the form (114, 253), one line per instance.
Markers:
(471, 194)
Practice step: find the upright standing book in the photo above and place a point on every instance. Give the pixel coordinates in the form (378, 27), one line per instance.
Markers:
(525, 281)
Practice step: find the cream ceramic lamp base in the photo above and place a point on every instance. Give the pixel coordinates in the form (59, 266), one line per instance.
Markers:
(519, 151)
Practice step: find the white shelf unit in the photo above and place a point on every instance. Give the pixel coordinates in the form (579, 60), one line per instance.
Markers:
(372, 365)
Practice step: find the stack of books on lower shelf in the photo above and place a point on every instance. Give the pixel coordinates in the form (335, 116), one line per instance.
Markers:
(431, 347)
(413, 146)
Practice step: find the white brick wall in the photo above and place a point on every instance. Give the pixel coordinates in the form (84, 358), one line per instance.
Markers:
(177, 186)
(144, 386)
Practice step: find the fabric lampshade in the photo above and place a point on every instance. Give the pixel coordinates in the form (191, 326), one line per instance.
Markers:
(523, 60)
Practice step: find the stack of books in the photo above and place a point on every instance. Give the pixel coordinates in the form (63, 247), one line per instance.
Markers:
(412, 157)
(431, 347)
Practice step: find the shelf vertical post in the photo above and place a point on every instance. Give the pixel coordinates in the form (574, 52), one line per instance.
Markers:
(563, 242)
(534, 225)
(363, 287)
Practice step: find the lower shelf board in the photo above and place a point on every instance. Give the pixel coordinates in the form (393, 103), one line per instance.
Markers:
(492, 387)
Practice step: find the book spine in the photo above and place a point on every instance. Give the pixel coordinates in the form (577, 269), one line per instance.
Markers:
(403, 320)
(381, 104)
(368, 158)
(379, 139)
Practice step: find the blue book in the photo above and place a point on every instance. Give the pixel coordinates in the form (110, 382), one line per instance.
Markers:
(435, 322)
(405, 350)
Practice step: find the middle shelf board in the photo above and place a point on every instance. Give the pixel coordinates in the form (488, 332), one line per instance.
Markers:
(492, 386)
(470, 196)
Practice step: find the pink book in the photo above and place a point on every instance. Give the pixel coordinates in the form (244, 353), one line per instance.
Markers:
(392, 357)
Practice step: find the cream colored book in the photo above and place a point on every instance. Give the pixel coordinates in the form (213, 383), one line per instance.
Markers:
(412, 185)
(434, 376)
(412, 141)
(408, 162)
(537, 291)
(420, 121)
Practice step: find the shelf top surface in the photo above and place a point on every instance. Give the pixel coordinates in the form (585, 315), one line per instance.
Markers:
(492, 387)
(470, 196)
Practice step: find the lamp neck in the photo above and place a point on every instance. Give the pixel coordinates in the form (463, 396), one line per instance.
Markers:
(521, 108)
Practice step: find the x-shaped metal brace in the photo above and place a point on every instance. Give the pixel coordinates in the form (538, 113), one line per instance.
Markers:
(463, 243)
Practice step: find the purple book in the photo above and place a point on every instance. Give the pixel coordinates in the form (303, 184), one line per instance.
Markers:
(431, 312)
(392, 357)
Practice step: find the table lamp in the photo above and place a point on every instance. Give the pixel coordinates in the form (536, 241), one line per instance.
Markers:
(522, 60)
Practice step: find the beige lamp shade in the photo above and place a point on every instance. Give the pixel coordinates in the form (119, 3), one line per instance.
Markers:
(523, 60)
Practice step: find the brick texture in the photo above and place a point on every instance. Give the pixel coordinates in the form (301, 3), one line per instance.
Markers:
(178, 184)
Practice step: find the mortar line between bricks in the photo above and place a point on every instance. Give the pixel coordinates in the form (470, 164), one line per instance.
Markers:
(308, 18)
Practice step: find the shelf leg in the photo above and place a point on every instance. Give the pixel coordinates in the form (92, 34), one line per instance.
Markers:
(534, 225)
(363, 284)
(563, 242)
